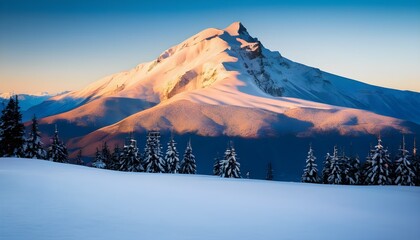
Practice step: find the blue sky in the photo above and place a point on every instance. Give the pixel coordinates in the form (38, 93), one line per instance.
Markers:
(57, 45)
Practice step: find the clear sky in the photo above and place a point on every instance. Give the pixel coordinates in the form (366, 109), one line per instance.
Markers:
(57, 45)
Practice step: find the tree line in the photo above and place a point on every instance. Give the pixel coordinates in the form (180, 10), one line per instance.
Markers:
(378, 168)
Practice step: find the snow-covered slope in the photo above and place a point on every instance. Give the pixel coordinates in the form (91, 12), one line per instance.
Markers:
(46, 200)
(216, 79)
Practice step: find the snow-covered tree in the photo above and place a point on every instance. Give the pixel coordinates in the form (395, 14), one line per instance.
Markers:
(270, 175)
(351, 173)
(327, 168)
(172, 157)
(57, 152)
(404, 171)
(106, 156)
(12, 130)
(98, 162)
(335, 175)
(79, 158)
(230, 166)
(217, 166)
(378, 166)
(188, 165)
(310, 173)
(115, 165)
(416, 163)
(153, 161)
(130, 160)
(33, 146)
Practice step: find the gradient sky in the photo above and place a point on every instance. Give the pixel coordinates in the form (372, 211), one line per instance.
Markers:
(58, 45)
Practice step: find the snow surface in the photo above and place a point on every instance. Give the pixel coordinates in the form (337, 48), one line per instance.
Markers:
(47, 200)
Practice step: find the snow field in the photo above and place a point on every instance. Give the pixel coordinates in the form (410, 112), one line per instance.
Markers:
(46, 200)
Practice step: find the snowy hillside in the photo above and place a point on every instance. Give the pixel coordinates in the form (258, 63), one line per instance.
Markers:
(46, 200)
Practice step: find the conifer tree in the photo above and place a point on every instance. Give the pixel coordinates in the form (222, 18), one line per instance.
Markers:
(378, 166)
(33, 146)
(310, 173)
(352, 171)
(416, 163)
(327, 168)
(57, 152)
(230, 166)
(172, 157)
(153, 161)
(270, 175)
(217, 166)
(188, 165)
(11, 130)
(106, 156)
(98, 162)
(335, 175)
(130, 160)
(404, 172)
(79, 159)
(115, 165)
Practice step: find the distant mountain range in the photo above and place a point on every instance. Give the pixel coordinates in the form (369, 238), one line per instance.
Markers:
(226, 83)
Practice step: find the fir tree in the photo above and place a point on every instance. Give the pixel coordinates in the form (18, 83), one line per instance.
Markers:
(153, 161)
(217, 166)
(404, 172)
(130, 160)
(270, 175)
(335, 175)
(230, 166)
(11, 130)
(57, 152)
(115, 164)
(188, 165)
(33, 146)
(327, 168)
(79, 159)
(416, 163)
(378, 166)
(98, 162)
(310, 173)
(172, 157)
(352, 171)
(106, 156)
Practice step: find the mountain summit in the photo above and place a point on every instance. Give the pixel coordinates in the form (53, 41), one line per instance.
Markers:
(225, 82)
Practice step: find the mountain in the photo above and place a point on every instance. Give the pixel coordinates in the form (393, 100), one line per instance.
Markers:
(26, 101)
(226, 83)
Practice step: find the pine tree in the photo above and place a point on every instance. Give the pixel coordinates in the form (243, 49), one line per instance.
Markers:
(57, 152)
(335, 175)
(12, 130)
(188, 165)
(79, 159)
(230, 166)
(217, 166)
(416, 163)
(270, 175)
(310, 173)
(404, 172)
(172, 157)
(153, 161)
(378, 166)
(130, 160)
(33, 146)
(352, 171)
(327, 168)
(115, 164)
(98, 162)
(106, 156)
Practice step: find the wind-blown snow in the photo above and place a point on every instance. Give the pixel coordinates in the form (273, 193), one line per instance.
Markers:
(46, 200)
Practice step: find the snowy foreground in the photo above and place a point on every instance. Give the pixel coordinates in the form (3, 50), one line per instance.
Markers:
(46, 200)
